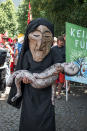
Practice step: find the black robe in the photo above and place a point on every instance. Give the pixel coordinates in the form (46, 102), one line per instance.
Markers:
(37, 113)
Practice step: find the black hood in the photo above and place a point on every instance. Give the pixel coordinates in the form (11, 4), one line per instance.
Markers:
(31, 27)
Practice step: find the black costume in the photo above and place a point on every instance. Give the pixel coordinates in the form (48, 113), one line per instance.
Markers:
(3, 55)
(37, 110)
(59, 52)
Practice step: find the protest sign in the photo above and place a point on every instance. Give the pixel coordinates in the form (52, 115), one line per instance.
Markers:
(76, 50)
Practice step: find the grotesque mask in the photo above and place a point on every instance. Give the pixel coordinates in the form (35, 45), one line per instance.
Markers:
(40, 42)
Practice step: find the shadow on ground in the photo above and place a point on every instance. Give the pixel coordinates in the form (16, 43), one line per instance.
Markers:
(72, 115)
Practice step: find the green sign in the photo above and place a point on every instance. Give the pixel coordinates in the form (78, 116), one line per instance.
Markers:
(76, 42)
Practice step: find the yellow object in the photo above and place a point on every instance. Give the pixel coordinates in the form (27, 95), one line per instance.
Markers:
(20, 35)
(20, 38)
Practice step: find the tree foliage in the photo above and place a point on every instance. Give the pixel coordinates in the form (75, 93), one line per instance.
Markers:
(8, 18)
(57, 11)
(61, 11)
(22, 15)
(2, 20)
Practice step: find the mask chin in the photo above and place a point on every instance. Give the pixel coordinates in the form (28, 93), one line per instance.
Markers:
(39, 55)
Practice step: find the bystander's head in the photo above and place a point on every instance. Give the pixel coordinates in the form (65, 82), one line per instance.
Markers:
(55, 41)
(15, 40)
(60, 41)
(4, 39)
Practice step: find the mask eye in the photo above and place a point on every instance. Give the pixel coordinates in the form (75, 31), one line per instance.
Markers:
(47, 36)
(36, 35)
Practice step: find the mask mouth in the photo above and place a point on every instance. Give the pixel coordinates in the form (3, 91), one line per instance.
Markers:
(39, 50)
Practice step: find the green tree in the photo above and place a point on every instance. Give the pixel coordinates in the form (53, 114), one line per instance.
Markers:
(9, 14)
(79, 15)
(57, 11)
(22, 15)
(2, 21)
(61, 11)
(54, 10)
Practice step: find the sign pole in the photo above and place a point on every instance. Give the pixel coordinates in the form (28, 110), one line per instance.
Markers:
(66, 90)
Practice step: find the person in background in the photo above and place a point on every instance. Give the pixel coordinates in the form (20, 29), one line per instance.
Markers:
(4, 72)
(37, 112)
(6, 44)
(55, 41)
(12, 56)
(15, 42)
(19, 48)
(3, 55)
(59, 51)
(12, 60)
(10, 51)
(64, 86)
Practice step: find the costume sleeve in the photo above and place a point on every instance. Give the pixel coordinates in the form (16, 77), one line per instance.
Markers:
(12, 93)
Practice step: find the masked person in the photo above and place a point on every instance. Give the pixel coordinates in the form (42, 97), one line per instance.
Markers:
(37, 113)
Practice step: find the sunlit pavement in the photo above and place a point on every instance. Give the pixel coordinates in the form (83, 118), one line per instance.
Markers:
(9, 116)
(3, 96)
(70, 116)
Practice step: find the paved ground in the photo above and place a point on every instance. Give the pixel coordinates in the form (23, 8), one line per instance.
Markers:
(70, 116)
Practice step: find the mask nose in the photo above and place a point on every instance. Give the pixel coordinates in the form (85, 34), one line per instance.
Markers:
(39, 43)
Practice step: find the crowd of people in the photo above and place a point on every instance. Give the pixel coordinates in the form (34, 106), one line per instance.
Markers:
(13, 51)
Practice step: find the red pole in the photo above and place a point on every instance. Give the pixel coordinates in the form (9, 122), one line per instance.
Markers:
(28, 21)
